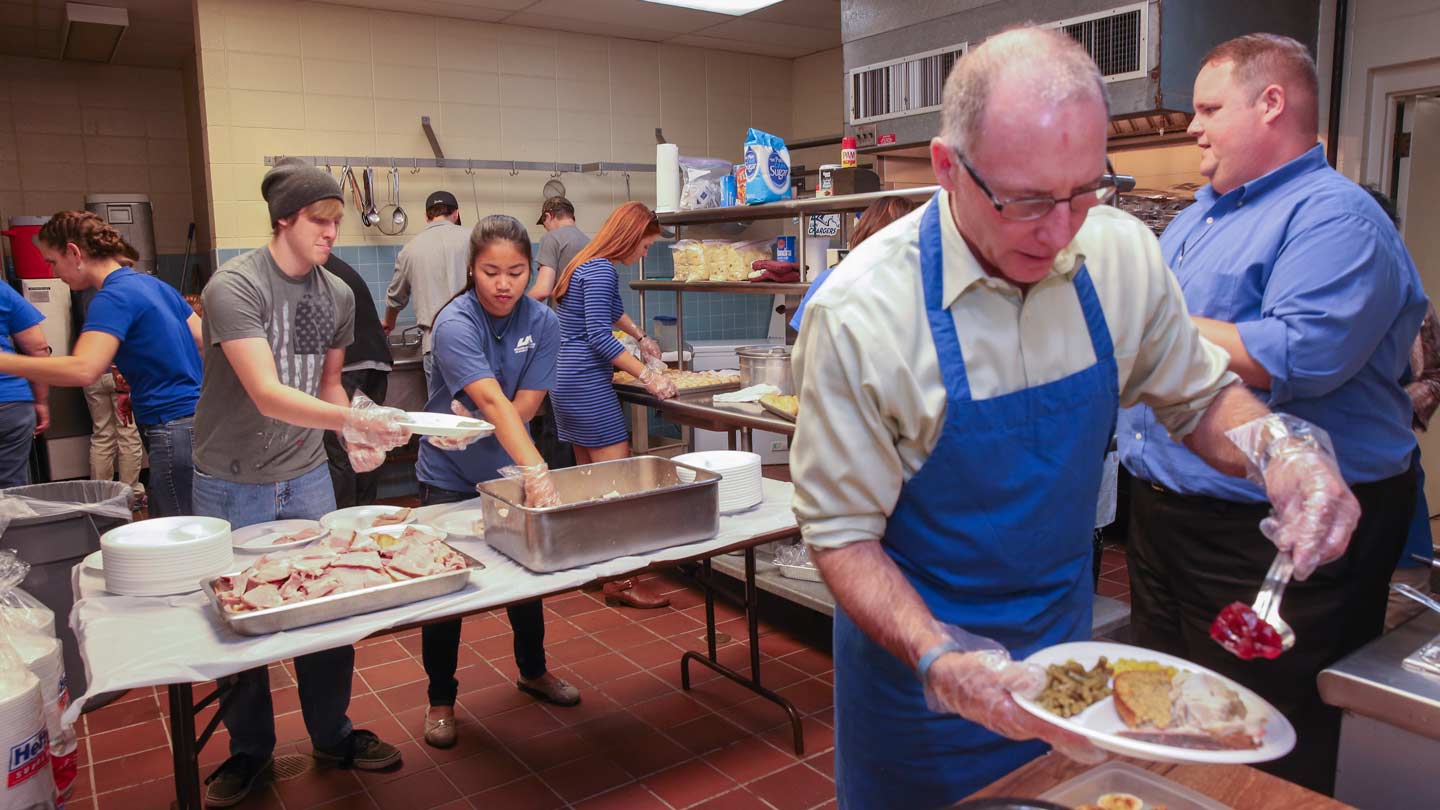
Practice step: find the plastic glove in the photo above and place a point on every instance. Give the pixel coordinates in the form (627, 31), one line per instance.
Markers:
(538, 485)
(374, 426)
(649, 349)
(656, 365)
(1313, 511)
(461, 442)
(977, 683)
(364, 458)
(657, 383)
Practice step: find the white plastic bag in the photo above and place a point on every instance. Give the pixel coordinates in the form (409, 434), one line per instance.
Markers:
(19, 609)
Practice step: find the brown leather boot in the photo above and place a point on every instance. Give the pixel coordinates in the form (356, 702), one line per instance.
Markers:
(630, 593)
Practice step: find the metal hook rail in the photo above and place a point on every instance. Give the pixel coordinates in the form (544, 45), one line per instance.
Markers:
(514, 167)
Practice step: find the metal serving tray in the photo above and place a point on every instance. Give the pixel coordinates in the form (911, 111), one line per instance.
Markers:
(341, 605)
(1122, 777)
(718, 388)
(654, 510)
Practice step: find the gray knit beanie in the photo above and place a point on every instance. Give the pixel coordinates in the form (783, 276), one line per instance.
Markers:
(293, 184)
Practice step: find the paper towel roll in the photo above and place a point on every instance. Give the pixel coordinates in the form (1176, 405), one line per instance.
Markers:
(667, 177)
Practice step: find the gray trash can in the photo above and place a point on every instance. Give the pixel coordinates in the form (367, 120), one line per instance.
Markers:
(53, 528)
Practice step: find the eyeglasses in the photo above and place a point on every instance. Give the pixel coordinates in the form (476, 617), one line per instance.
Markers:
(1025, 209)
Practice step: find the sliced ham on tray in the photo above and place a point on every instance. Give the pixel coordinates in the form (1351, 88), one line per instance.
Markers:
(261, 597)
(358, 559)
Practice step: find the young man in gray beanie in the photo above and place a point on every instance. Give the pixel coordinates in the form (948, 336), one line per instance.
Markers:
(275, 333)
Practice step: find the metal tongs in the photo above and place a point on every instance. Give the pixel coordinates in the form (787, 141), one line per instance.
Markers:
(1267, 602)
(1416, 594)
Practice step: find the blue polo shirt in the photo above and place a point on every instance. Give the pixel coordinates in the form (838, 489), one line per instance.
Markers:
(517, 351)
(16, 315)
(1325, 297)
(157, 354)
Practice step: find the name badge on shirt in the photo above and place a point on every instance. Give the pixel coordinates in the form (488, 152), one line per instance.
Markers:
(524, 344)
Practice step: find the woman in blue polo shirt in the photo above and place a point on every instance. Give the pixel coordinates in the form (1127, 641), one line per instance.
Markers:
(24, 406)
(142, 326)
(494, 354)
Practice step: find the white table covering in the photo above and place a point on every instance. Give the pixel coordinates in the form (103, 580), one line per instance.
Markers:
(132, 641)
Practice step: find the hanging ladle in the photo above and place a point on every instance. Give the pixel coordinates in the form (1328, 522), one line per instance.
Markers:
(393, 213)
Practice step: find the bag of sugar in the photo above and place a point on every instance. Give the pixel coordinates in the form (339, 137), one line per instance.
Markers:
(767, 168)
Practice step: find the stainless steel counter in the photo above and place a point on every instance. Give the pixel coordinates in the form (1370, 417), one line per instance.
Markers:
(1390, 728)
(1372, 683)
(700, 411)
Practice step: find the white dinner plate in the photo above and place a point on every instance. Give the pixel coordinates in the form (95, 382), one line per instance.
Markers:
(432, 532)
(355, 518)
(94, 561)
(262, 536)
(463, 523)
(446, 425)
(1101, 724)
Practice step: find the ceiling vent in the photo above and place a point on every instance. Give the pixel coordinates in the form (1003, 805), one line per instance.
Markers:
(1116, 39)
(907, 86)
(92, 33)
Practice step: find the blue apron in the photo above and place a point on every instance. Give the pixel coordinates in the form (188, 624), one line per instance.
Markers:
(994, 532)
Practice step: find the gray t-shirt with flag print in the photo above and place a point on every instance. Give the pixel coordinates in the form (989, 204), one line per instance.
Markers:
(301, 319)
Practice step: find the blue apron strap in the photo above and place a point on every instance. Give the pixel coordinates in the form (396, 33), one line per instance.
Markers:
(1099, 331)
(942, 323)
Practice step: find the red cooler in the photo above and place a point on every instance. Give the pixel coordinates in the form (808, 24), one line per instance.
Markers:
(28, 261)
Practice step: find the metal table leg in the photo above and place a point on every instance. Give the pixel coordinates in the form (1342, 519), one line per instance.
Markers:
(185, 746)
(752, 622)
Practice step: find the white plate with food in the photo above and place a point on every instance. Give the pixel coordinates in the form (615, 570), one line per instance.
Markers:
(446, 425)
(357, 518)
(1157, 707)
(274, 535)
(463, 523)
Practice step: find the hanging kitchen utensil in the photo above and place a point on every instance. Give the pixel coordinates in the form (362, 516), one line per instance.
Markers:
(349, 174)
(554, 188)
(370, 215)
(393, 218)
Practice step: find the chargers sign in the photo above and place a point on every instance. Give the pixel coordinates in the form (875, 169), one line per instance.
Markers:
(28, 758)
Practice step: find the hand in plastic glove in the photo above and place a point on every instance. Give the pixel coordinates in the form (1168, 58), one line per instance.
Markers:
(978, 685)
(658, 384)
(656, 365)
(364, 458)
(539, 486)
(459, 442)
(649, 349)
(374, 426)
(1314, 512)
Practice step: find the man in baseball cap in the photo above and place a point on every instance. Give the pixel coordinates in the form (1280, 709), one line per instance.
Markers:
(431, 269)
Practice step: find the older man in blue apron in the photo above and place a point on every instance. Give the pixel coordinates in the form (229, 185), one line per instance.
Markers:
(960, 374)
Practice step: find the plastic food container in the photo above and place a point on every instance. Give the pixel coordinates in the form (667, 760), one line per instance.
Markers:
(1122, 777)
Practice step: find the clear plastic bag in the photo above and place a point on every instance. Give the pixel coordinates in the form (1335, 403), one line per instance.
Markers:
(29, 627)
(24, 736)
(19, 611)
(103, 498)
(688, 257)
(701, 182)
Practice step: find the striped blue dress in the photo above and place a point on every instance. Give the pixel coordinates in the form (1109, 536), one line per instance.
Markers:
(587, 411)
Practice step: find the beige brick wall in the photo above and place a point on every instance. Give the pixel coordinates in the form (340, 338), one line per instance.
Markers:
(69, 129)
(285, 77)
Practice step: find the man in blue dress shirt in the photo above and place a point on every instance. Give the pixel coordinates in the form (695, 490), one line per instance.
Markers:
(1295, 271)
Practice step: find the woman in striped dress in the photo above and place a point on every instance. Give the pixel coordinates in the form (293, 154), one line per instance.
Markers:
(587, 410)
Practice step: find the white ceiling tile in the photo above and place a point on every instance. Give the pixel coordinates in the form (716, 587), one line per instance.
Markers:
(738, 46)
(824, 14)
(807, 40)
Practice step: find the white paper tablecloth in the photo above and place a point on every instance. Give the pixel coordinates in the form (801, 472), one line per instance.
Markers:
(134, 641)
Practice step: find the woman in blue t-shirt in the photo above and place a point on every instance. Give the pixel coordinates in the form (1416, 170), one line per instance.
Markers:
(144, 328)
(494, 353)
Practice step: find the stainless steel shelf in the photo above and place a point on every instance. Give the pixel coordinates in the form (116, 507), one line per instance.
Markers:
(792, 208)
(756, 288)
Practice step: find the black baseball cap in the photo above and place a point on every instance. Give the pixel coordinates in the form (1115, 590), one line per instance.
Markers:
(441, 198)
(556, 205)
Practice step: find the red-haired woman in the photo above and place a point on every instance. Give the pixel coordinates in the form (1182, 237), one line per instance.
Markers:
(587, 411)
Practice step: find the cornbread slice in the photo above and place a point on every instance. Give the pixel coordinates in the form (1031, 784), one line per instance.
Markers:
(1142, 698)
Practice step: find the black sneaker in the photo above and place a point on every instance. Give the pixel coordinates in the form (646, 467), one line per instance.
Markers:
(233, 780)
(362, 750)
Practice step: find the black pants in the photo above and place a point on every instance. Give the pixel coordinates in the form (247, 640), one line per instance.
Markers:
(352, 488)
(557, 454)
(1190, 556)
(440, 642)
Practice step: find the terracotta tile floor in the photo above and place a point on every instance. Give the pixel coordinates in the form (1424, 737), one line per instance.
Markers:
(635, 742)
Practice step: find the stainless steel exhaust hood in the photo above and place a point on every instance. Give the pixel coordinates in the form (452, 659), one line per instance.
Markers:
(898, 52)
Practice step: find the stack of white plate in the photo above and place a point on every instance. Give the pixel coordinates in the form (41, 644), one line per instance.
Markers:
(740, 476)
(165, 556)
(22, 737)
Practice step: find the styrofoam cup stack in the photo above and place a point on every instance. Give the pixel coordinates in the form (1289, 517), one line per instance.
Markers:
(29, 782)
(740, 486)
(42, 655)
(163, 556)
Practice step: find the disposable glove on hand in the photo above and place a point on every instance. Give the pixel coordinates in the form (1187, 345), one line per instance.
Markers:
(649, 349)
(459, 442)
(977, 682)
(374, 426)
(659, 385)
(539, 486)
(1313, 511)
(364, 458)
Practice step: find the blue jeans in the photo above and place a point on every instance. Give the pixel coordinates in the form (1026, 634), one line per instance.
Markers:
(172, 469)
(440, 642)
(17, 434)
(324, 677)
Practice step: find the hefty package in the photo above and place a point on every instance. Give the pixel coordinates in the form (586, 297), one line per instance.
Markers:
(29, 629)
(28, 782)
(767, 168)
